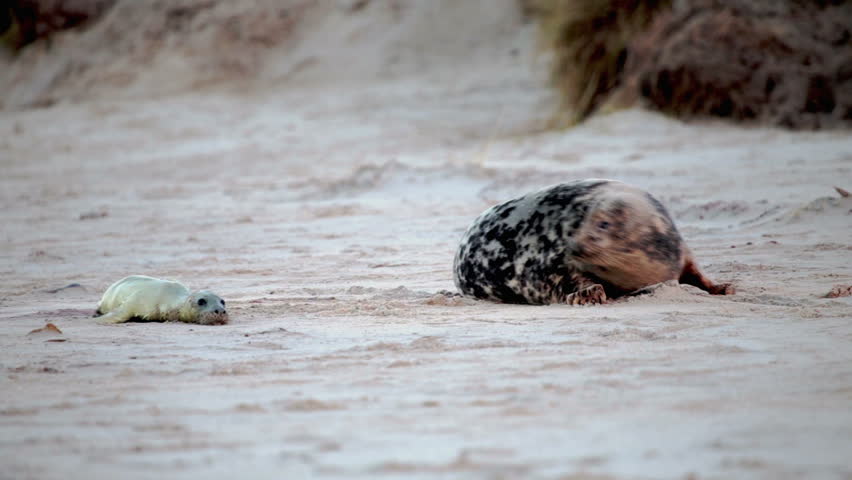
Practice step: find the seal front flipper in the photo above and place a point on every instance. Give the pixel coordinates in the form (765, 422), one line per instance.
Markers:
(594, 295)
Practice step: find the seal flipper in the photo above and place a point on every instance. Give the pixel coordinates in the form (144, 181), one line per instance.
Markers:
(98, 313)
(592, 295)
(691, 275)
(118, 315)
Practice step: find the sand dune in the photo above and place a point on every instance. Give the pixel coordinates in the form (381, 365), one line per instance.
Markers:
(327, 215)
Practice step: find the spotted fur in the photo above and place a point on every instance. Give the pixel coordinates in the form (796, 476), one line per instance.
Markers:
(572, 242)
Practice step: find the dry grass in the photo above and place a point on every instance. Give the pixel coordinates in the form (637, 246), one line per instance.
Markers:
(23, 22)
(783, 63)
(774, 62)
(589, 40)
(10, 32)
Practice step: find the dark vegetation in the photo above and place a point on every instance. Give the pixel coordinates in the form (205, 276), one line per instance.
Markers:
(779, 62)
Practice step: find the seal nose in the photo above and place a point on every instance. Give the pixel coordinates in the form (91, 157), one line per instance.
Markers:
(219, 311)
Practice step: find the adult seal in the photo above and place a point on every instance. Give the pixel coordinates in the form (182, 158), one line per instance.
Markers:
(142, 298)
(581, 242)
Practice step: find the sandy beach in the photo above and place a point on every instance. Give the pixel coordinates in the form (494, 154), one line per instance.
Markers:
(327, 215)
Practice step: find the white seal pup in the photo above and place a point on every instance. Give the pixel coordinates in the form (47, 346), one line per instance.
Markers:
(142, 298)
(578, 243)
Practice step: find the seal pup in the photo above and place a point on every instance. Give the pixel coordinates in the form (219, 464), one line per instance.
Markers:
(581, 242)
(143, 298)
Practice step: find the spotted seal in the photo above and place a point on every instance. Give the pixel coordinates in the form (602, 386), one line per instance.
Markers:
(581, 242)
(139, 297)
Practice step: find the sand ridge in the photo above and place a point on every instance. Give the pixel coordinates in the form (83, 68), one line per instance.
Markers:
(327, 217)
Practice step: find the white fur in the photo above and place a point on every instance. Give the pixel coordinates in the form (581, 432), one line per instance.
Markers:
(154, 299)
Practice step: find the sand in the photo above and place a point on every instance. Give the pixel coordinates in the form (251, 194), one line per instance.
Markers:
(327, 216)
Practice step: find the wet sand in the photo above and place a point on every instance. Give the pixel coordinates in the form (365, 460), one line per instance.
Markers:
(327, 216)
(329, 231)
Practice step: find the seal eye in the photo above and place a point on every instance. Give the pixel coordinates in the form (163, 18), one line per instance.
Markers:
(202, 302)
(603, 225)
(222, 302)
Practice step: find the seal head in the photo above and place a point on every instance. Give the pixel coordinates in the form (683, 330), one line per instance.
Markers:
(204, 307)
(628, 240)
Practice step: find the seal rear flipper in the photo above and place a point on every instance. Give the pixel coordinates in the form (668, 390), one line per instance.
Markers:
(98, 313)
(691, 275)
(115, 316)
